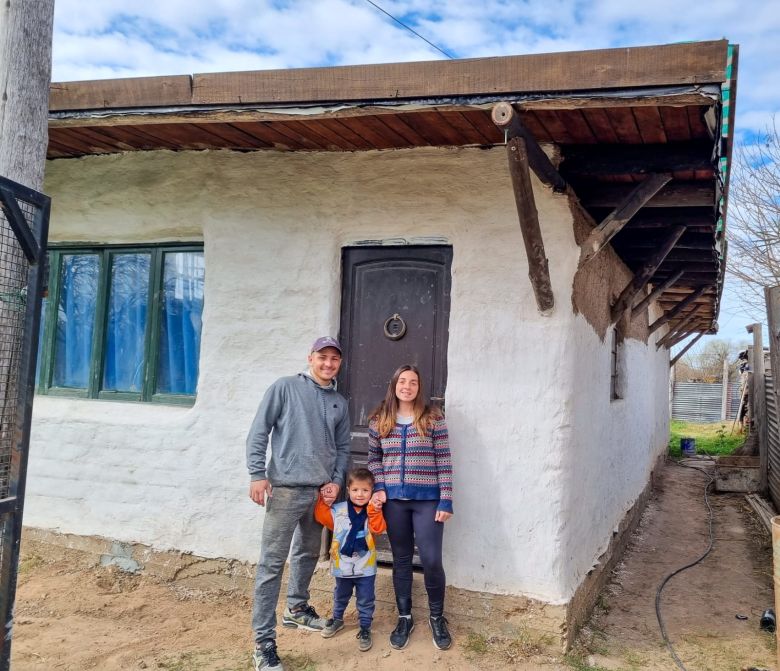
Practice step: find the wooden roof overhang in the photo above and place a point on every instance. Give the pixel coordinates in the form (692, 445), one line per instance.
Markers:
(620, 117)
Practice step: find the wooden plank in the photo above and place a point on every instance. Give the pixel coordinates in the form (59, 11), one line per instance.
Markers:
(690, 217)
(696, 123)
(93, 139)
(468, 133)
(481, 120)
(298, 134)
(422, 124)
(601, 235)
(334, 139)
(601, 125)
(538, 270)
(675, 122)
(624, 124)
(397, 124)
(233, 137)
(342, 128)
(682, 352)
(701, 62)
(772, 299)
(678, 330)
(379, 135)
(655, 293)
(556, 128)
(267, 133)
(674, 194)
(576, 126)
(605, 159)
(122, 93)
(758, 407)
(651, 128)
(507, 119)
(534, 125)
(643, 275)
(671, 314)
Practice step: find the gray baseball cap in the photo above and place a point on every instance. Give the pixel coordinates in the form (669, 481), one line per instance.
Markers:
(325, 341)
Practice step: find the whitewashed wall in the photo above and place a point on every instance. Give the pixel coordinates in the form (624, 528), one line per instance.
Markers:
(535, 462)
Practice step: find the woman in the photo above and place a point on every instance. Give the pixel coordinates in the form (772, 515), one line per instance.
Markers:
(410, 459)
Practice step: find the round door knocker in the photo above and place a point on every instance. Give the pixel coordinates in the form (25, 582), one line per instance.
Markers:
(395, 327)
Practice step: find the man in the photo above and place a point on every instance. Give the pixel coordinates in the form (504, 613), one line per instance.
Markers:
(309, 424)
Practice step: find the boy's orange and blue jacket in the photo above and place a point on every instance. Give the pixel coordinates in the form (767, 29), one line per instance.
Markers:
(336, 518)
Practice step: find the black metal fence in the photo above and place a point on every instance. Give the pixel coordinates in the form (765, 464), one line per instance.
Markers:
(24, 222)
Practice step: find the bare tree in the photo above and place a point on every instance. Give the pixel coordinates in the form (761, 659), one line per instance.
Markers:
(754, 217)
(706, 363)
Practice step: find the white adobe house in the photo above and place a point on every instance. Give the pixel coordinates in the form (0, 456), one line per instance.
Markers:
(205, 229)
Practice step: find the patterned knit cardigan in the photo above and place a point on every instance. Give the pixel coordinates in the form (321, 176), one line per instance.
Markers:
(407, 465)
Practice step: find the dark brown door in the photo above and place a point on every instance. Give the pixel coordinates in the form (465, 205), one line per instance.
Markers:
(394, 310)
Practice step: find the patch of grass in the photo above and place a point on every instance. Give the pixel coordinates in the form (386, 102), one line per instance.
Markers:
(200, 661)
(712, 438)
(579, 662)
(299, 663)
(508, 649)
(476, 644)
(30, 563)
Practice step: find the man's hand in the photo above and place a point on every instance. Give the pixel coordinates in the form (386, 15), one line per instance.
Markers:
(329, 493)
(378, 498)
(258, 490)
(442, 516)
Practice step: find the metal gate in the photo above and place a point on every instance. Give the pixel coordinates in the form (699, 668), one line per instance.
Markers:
(697, 401)
(773, 439)
(24, 222)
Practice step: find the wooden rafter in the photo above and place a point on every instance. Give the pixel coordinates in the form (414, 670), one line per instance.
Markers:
(655, 293)
(619, 217)
(538, 270)
(506, 119)
(682, 305)
(680, 354)
(640, 159)
(678, 329)
(643, 275)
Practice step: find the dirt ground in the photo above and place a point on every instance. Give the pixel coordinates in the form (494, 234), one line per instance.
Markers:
(75, 616)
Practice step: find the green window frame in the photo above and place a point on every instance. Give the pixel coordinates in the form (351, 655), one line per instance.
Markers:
(152, 331)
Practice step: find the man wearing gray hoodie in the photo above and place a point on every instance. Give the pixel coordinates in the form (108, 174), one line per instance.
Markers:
(307, 422)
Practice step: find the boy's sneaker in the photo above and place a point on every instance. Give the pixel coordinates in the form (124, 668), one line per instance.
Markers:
(332, 627)
(441, 634)
(364, 639)
(399, 638)
(303, 618)
(265, 657)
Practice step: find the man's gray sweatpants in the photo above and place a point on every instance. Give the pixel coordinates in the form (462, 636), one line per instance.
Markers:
(289, 519)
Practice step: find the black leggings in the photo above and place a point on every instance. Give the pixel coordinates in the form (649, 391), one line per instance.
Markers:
(407, 522)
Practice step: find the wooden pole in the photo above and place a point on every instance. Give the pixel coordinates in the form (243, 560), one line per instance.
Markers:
(772, 297)
(643, 275)
(677, 309)
(507, 120)
(696, 326)
(758, 401)
(682, 352)
(655, 293)
(675, 331)
(538, 271)
(724, 399)
(601, 235)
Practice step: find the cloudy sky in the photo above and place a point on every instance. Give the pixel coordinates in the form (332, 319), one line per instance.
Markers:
(124, 38)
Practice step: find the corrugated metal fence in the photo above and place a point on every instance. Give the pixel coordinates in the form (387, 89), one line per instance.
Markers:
(773, 438)
(702, 402)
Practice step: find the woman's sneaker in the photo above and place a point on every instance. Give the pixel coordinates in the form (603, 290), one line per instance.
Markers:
(303, 618)
(332, 627)
(266, 658)
(364, 639)
(441, 634)
(399, 638)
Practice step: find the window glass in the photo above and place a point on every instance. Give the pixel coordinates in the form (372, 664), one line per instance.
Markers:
(128, 302)
(180, 322)
(44, 301)
(75, 320)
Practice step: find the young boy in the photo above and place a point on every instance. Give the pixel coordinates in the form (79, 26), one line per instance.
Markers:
(353, 552)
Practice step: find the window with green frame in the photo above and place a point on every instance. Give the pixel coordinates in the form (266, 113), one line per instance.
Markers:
(123, 323)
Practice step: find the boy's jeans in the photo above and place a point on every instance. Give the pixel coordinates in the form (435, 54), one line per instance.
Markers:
(289, 518)
(364, 598)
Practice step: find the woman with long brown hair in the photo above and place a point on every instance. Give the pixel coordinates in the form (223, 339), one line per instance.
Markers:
(409, 455)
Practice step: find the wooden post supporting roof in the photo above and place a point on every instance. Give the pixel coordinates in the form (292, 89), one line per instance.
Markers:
(758, 401)
(643, 275)
(601, 235)
(538, 270)
(677, 309)
(655, 293)
(507, 120)
(680, 354)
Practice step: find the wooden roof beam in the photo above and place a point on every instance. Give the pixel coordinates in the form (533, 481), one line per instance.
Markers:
(655, 293)
(643, 275)
(634, 201)
(682, 305)
(638, 159)
(682, 352)
(538, 270)
(675, 194)
(675, 331)
(506, 119)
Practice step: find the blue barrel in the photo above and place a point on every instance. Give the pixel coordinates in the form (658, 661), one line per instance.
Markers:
(688, 446)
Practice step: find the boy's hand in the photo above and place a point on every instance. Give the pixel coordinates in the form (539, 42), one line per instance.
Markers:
(378, 499)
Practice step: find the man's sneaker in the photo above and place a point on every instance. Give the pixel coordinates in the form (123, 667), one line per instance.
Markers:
(441, 635)
(399, 638)
(266, 658)
(364, 639)
(332, 627)
(303, 618)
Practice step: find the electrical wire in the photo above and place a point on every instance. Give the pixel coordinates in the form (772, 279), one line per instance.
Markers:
(411, 30)
(661, 625)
